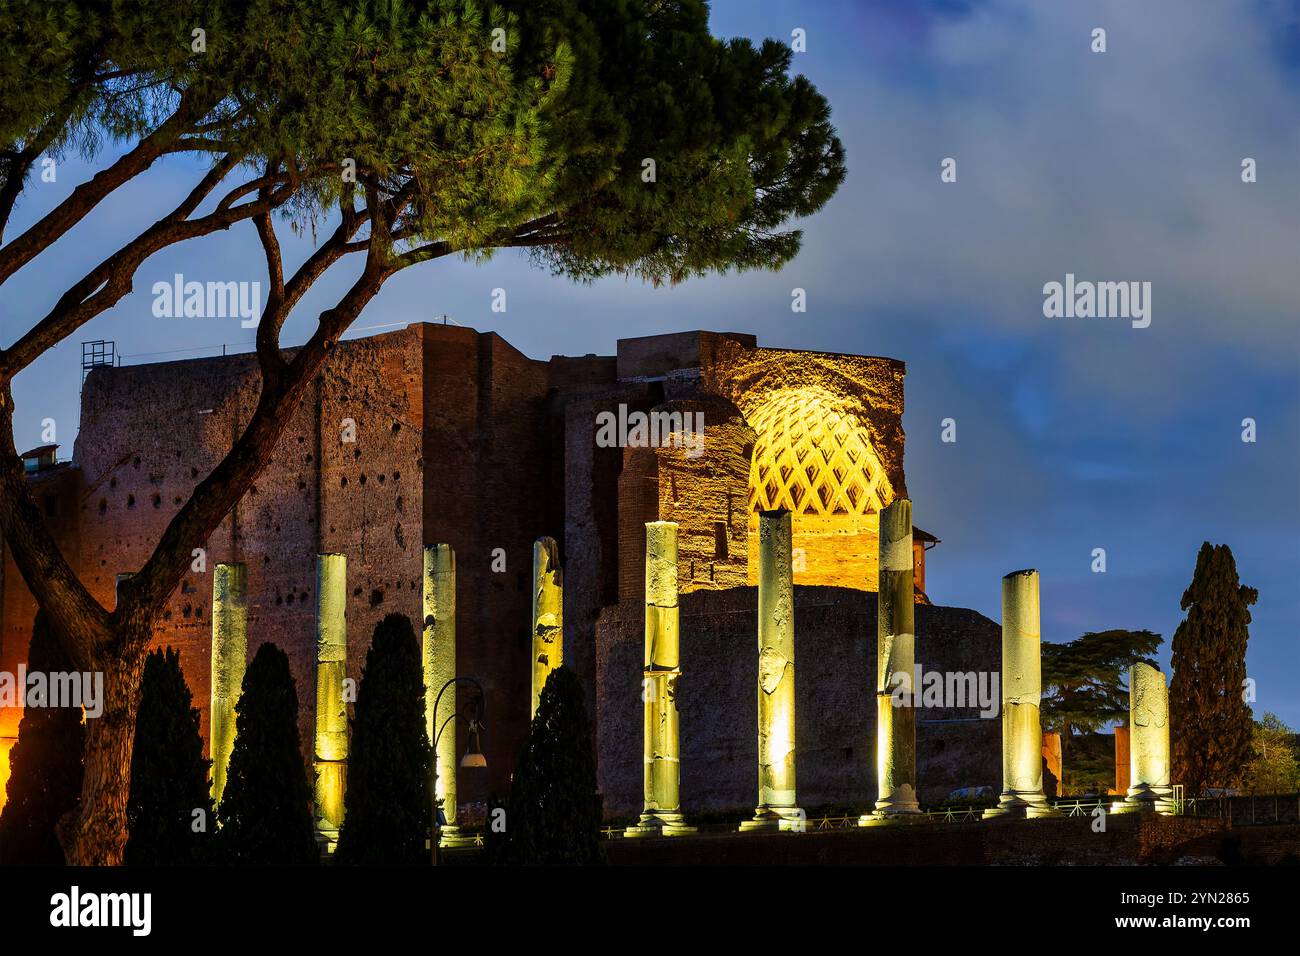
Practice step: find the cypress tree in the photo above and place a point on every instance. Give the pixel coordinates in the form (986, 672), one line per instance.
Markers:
(386, 808)
(553, 815)
(169, 777)
(45, 764)
(265, 811)
(1210, 721)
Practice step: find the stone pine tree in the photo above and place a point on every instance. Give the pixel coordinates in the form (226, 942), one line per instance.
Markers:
(1210, 721)
(45, 765)
(597, 137)
(553, 814)
(386, 807)
(1085, 681)
(169, 812)
(265, 810)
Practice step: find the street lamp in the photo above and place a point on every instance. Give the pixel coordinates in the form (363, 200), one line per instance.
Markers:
(473, 752)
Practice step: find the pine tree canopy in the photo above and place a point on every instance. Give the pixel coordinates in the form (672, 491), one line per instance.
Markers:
(387, 805)
(45, 765)
(608, 136)
(265, 810)
(1210, 721)
(169, 775)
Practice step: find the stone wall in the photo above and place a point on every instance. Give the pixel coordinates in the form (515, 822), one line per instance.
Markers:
(1129, 840)
(460, 438)
(835, 651)
(150, 433)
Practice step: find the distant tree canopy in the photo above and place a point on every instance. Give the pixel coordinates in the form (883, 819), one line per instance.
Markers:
(1210, 721)
(169, 811)
(265, 809)
(386, 806)
(1085, 681)
(1273, 766)
(45, 765)
(602, 136)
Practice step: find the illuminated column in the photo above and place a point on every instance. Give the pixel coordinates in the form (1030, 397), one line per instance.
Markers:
(331, 708)
(895, 655)
(548, 615)
(662, 814)
(229, 656)
(439, 668)
(1022, 688)
(1148, 709)
(777, 808)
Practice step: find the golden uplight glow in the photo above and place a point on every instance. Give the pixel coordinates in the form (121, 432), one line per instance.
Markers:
(6, 744)
(817, 461)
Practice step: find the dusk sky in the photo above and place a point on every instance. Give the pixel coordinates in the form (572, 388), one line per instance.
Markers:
(1072, 433)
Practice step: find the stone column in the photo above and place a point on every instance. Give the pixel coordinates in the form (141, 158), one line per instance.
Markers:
(895, 667)
(331, 707)
(662, 814)
(548, 615)
(777, 806)
(1148, 708)
(439, 668)
(229, 657)
(1022, 689)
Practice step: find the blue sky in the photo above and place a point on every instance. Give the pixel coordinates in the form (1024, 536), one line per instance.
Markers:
(1072, 434)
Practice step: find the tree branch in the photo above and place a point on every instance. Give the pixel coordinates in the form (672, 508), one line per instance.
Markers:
(56, 587)
(85, 197)
(111, 280)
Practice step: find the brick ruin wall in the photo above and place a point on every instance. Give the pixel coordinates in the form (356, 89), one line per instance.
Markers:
(452, 444)
(835, 720)
(460, 438)
(150, 433)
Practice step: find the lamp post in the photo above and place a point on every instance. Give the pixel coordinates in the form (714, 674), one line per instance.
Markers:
(473, 752)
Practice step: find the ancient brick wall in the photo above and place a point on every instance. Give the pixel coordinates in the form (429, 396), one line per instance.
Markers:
(593, 541)
(458, 438)
(56, 493)
(705, 490)
(151, 433)
(835, 661)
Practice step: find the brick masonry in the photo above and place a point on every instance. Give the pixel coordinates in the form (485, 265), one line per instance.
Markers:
(461, 438)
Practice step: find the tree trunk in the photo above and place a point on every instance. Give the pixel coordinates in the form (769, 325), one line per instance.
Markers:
(95, 834)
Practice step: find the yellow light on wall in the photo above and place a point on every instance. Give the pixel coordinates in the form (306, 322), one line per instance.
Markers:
(814, 459)
(6, 744)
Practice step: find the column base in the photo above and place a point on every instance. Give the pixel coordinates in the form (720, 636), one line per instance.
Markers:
(1021, 806)
(660, 824)
(892, 816)
(776, 820)
(455, 838)
(1145, 799)
(327, 839)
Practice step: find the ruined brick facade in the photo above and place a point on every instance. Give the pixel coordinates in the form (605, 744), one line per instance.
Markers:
(460, 438)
